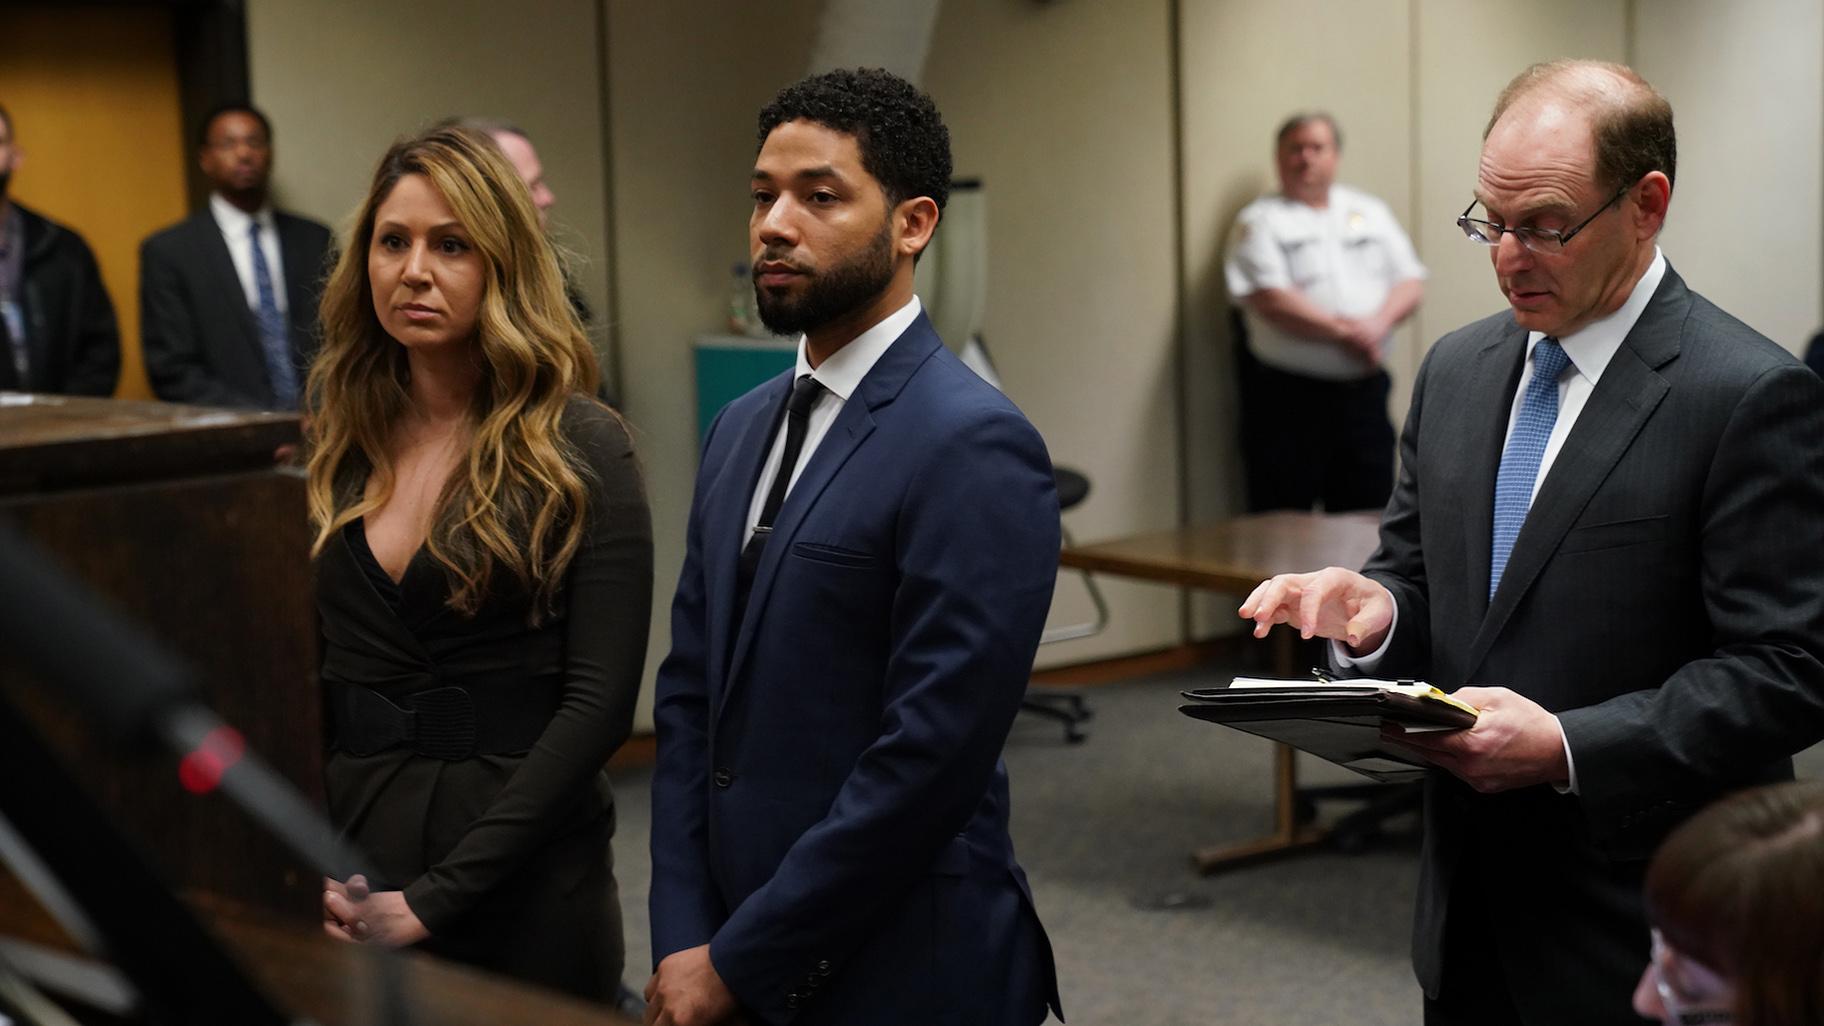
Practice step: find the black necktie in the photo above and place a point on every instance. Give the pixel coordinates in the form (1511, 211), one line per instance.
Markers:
(797, 420)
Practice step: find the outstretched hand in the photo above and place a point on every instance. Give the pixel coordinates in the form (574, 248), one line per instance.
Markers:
(1333, 603)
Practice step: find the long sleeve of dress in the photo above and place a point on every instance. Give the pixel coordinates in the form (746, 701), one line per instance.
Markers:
(607, 609)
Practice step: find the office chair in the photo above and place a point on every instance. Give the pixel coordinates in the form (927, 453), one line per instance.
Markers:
(1062, 704)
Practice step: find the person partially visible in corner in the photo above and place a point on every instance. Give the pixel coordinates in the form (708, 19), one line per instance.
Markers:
(1321, 273)
(869, 561)
(484, 567)
(1736, 899)
(228, 297)
(57, 329)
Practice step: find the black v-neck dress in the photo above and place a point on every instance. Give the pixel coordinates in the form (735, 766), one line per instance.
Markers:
(503, 856)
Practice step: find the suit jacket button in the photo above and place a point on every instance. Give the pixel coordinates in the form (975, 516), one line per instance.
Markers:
(724, 778)
(791, 1000)
(823, 968)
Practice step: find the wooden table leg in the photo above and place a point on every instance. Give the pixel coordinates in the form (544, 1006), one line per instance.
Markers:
(1288, 835)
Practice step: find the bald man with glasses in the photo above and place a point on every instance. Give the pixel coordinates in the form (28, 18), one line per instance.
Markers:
(1608, 535)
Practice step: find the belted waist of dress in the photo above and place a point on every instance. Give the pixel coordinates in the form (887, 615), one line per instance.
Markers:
(441, 720)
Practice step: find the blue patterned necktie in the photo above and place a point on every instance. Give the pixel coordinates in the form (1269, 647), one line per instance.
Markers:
(1525, 451)
(274, 341)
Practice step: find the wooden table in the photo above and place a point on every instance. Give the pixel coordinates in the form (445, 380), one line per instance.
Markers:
(1232, 556)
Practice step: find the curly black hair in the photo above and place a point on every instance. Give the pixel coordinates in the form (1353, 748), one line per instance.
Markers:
(903, 141)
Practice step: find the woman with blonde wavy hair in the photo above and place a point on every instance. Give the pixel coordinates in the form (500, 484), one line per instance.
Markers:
(484, 566)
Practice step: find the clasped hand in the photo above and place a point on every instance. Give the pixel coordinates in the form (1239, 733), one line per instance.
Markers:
(351, 912)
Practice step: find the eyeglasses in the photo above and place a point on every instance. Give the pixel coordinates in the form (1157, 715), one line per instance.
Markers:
(1538, 240)
(1690, 993)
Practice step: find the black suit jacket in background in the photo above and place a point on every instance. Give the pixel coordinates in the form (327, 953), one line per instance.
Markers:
(201, 341)
(1665, 598)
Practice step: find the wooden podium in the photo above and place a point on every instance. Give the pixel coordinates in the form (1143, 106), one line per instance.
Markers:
(179, 518)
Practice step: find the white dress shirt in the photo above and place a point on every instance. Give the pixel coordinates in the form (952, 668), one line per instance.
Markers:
(1590, 349)
(1344, 257)
(234, 222)
(839, 375)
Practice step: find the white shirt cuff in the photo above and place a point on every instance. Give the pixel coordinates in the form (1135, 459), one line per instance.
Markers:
(1569, 761)
(1344, 662)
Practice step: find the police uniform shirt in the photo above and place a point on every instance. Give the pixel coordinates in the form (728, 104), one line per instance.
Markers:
(1345, 258)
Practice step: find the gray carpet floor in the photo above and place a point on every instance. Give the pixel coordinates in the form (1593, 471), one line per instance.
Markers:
(1105, 829)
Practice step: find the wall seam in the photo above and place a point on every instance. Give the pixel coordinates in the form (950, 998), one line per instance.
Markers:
(1181, 297)
(1416, 183)
(611, 316)
(1630, 53)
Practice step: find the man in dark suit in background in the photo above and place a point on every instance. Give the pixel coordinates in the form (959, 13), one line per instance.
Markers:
(1611, 503)
(57, 330)
(869, 562)
(228, 298)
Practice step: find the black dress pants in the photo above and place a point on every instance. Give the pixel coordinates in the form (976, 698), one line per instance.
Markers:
(1309, 442)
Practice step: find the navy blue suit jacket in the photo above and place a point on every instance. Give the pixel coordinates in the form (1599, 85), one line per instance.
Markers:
(830, 805)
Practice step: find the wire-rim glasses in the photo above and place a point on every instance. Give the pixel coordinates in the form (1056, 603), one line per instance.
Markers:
(1538, 240)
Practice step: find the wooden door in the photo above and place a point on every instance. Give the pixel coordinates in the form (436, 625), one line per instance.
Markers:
(96, 109)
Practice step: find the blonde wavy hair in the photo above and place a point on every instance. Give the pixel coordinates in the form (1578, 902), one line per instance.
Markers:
(518, 502)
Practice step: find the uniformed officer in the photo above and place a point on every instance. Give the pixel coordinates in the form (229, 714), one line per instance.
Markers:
(1321, 274)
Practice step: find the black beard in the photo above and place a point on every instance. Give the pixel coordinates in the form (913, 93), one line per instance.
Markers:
(830, 294)
(6, 178)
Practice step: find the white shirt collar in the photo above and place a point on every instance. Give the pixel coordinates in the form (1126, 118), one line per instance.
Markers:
(1593, 346)
(233, 221)
(843, 371)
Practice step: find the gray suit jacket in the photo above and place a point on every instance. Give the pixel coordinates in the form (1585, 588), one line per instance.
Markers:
(200, 341)
(1665, 598)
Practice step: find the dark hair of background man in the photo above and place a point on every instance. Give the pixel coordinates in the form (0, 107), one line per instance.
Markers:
(902, 138)
(215, 112)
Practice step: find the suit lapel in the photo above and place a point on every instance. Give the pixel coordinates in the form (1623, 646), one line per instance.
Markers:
(300, 280)
(1497, 372)
(217, 264)
(724, 534)
(1630, 389)
(852, 426)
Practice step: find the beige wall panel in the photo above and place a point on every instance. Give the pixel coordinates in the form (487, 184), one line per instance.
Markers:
(1746, 81)
(341, 79)
(1457, 85)
(1246, 65)
(1064, 112)
(686, 81)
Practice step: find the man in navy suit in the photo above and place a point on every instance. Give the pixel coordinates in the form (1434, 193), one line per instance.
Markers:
(870, 559)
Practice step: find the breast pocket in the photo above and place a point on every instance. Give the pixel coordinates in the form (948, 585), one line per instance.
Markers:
(1615, 534)
(1369, 255)
(1304, 260)
(834, 555)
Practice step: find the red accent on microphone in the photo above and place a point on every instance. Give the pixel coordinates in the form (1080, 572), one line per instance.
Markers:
(201, 770)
